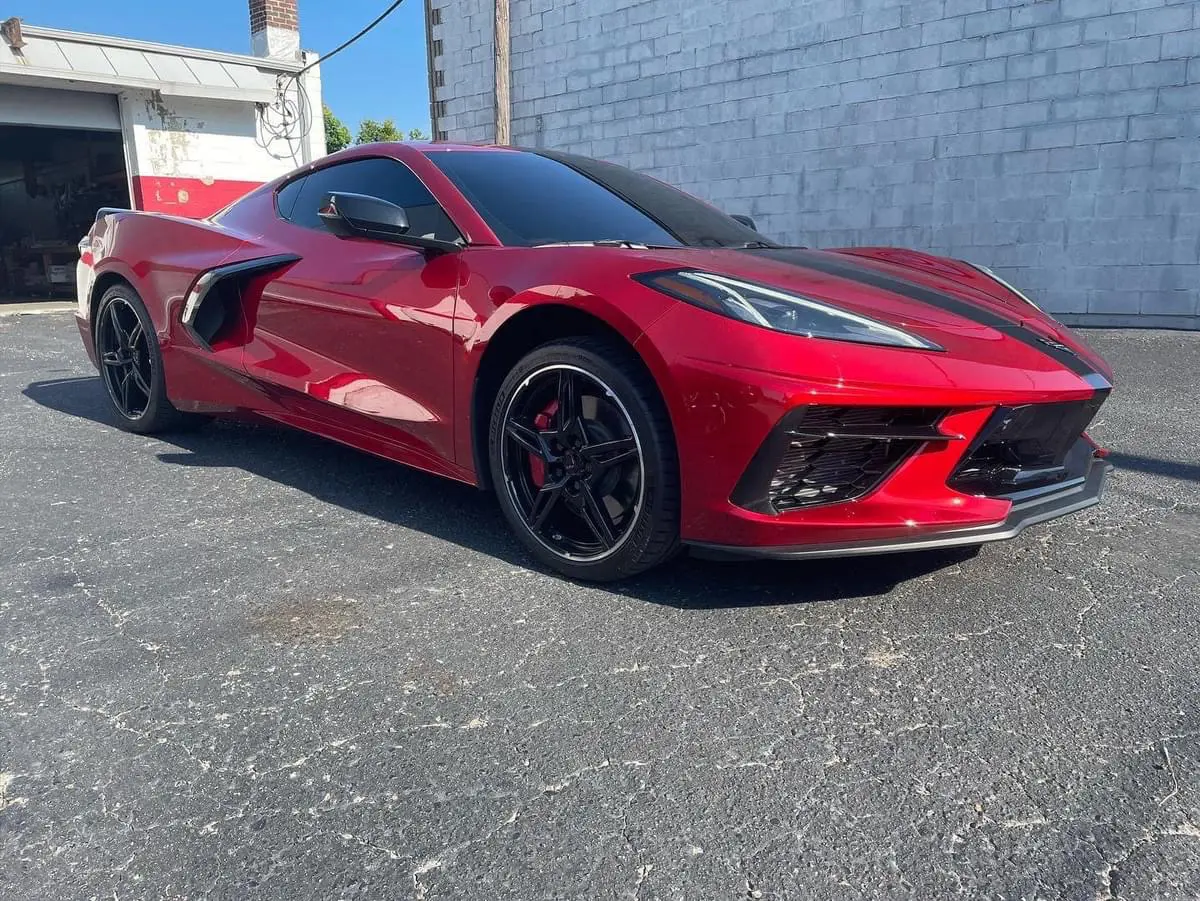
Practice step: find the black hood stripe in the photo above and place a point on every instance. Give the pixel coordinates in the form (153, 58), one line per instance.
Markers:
(824, 262)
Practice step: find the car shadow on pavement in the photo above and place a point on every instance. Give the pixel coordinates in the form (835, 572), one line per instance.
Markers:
(1188, 472)
(465, 516)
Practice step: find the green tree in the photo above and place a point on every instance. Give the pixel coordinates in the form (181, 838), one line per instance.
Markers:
(337, 135)
(416, 134)
(370, 131)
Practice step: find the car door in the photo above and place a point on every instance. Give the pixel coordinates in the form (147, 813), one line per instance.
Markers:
(356, 336)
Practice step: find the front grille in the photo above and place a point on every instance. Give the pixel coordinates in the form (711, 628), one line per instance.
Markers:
(824, 455)
(1028, 447)
(826, 470)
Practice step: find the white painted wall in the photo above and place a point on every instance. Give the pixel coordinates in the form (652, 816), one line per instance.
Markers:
(219, 139)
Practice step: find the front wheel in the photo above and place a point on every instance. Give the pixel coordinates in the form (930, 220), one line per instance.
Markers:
(583, 460)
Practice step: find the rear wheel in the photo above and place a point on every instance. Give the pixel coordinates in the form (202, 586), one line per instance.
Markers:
(131, 364)
(584, 462)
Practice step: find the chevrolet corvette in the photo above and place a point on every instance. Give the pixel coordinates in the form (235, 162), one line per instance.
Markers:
(629, 369)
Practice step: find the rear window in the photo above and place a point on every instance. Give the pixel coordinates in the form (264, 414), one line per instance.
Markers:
(528, 199)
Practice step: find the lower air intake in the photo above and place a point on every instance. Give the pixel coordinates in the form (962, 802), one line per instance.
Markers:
(824, 455)
(1028, 447)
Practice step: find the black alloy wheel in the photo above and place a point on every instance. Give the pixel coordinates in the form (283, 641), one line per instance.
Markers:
(123, 348)
(131, 366)
(572, 462)
(584, 463)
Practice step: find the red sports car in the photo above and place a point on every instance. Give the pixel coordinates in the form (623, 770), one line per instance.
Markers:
(629, 369)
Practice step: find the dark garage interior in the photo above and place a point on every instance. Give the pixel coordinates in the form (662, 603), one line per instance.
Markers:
(52, 181)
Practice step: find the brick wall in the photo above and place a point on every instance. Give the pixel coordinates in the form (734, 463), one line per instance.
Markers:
(276, 13)
(1057, 141)
(462, 51)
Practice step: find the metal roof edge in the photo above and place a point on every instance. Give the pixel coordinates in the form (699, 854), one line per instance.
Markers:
(115, 84)
(102, 40)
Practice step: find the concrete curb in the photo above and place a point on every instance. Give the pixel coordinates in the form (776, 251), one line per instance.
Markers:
(29, 309)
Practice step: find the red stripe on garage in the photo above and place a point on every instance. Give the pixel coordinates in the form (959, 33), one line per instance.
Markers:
(191, 197)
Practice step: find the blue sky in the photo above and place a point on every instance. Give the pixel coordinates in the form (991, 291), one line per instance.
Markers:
(382, 75)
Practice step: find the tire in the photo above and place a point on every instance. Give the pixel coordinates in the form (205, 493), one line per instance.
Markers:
(593, 492)
(131, 366)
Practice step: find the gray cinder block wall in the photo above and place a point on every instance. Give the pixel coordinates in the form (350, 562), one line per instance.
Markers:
(1057, 141)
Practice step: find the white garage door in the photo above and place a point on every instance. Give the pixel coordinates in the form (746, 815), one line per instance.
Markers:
(21, 105)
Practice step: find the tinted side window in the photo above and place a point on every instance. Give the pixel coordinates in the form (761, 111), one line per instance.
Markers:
(314, 190)
(530, 199)
(285, 197)
(377, 177)
(691, 220)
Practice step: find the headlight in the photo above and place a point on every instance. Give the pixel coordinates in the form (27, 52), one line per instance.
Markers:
(779, 310)
(998, 280)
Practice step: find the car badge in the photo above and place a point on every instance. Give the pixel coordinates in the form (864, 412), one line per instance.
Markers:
(1057, 345)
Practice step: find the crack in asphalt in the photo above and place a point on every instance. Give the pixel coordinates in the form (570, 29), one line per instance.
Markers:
(242, 662)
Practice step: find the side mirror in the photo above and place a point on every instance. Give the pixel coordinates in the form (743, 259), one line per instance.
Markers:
(363, 216)
(358, 215)
(746, 221)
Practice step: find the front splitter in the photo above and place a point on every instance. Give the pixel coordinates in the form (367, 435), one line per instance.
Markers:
(1079, 495)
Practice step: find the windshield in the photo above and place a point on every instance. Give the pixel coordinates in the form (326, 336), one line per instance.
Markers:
(532, 197)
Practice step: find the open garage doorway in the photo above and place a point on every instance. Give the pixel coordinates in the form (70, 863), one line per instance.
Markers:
(52, 181)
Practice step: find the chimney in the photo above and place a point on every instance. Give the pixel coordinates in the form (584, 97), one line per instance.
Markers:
(11, 31)
(275, 29)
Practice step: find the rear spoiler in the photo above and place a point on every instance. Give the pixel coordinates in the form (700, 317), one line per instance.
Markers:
(85, 243)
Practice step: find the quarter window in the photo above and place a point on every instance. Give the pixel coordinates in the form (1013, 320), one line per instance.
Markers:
(285, 197)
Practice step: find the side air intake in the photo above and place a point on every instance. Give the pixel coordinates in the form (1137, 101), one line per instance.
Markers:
(214, 301)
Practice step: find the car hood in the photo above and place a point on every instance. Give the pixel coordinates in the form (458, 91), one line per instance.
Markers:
(947, 301)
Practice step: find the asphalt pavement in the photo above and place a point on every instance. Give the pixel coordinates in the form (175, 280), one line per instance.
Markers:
(246, 663)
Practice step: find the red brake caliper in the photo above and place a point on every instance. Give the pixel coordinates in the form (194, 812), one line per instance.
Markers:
(541, 422)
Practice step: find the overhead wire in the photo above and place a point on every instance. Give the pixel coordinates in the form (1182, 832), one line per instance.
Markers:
(301, 117)
(288, 119)
(338, 49)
